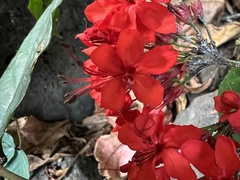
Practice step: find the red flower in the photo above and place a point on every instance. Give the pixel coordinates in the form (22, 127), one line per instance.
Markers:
(229, 104)
(155, 144)
(219, 164)
(95, 36)
(114, 71)
(144, 16)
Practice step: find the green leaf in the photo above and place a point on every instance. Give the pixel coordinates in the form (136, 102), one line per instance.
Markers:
(8, 146)
(236, 137)
(36, 8)
(231, 81)
(15, 80)
(19, 164)
(17, 159)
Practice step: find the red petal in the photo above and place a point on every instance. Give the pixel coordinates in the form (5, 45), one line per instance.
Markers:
(231, 99)
(113, 94)
(147, 90)
(176, 165)
(181, 134)
(146, 171)
(168, 24)
(88, 51)
(219, 106)
(106, 58)
(158, 60)
(161, 174)
(156, 17)
(130, 47)
(95, 11)
(145, 126)
(124, 18)
(201, 155)
(226, 157)
(162, 1)
(127, 136)
(234, 119)
(147, 34)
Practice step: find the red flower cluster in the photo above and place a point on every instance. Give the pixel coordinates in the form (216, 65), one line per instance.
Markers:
(144, 16)
(117, 70)
(157, 144)
(121, 61)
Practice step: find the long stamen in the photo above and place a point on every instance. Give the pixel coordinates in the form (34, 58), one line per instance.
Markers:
(100, 73)
(141, 157)
(86, 89)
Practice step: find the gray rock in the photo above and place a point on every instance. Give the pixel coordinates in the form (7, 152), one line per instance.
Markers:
(200, 113)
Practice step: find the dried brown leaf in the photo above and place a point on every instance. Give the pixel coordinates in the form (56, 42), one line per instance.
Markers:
(97, 121)
(46, 142)
(57, 174)
(196, 87)
(181, 103)
(237, 3)
(111, 154)
(223, 33)
(213, 10)
(36, 162)
(229, 7)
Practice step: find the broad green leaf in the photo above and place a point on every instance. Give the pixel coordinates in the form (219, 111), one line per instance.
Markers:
(15, 80)
(8, 146)
(17, 159)
(36, 8)
(19, 164)
(231, 81)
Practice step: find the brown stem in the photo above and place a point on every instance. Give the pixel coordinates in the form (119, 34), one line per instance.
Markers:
(19, 135)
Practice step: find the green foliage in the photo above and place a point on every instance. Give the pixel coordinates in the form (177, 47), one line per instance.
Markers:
(15, 80)
(231, 81)
(17, 159)
(8, 146)
(37, 7)
(236, 137)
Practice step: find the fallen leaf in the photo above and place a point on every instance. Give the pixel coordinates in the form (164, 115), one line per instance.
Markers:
(35, 161)
(213, 10)
(111, 154)
(46, 142)
(223, 33)
(237, 3)
(229, 7)
(196, 87)
(181, 103)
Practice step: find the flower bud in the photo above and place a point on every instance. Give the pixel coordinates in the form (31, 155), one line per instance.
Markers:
(197, 9)
(231, 99)
(163, 39)
(182, 12)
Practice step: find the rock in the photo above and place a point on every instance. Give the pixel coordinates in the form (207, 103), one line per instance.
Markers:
(200, 113)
